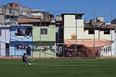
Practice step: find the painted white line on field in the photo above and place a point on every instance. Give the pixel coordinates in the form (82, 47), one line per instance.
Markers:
(62, 65)
(70, 65)
(77, 62)
(80, 61)
(32, 59)
(85, 65)
(11, 63)
(61, 62)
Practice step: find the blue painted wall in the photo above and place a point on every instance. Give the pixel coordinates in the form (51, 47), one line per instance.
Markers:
(14, 29)
(19, 53)
(23, 40)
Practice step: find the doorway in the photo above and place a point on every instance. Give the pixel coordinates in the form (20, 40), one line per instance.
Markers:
(28, 51)
(7, 49)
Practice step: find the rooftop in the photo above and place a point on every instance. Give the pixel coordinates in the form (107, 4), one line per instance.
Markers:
(72, 14)
(87, 42)
(21, 25)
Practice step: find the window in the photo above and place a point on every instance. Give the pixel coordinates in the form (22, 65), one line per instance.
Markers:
(107, 32)
(102, 49)
(12, 11)
(43, 31)
(3, 10)
(21, 11)
(24, 32)
(0, 32)
(10, 5)
(78, 17)
(19, 32)
(18, 47)
(16, 5)
(28, 32)
(7, 10)
(16, 11)
(91, 31)
(16, 17)
(106, 49)
(109, 48)
(27, 12)
(40, 12)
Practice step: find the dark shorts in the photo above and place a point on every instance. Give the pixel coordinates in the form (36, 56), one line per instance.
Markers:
(25, 60)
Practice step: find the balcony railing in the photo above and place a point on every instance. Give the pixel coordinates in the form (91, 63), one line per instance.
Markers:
(21, 38)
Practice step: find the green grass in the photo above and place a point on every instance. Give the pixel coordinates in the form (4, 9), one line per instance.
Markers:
(58, 68)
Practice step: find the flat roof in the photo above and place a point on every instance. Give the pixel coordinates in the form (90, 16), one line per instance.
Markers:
(98, 28)
(72, 14)
(36, 11)
(21, 25)
(4, 25)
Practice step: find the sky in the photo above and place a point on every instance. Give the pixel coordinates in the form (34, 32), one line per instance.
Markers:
(70, 6)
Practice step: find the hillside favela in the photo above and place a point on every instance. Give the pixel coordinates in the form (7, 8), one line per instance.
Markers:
(39, 33)
(64, 38)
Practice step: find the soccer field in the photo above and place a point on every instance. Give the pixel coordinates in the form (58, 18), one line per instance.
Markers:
(58, 68)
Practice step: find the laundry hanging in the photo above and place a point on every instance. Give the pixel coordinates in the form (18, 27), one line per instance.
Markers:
(45, 48)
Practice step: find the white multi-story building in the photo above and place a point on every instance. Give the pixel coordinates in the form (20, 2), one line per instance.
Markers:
(37, 13)
(74, 25)
(100, 33)
(4, 40)
(11, 12)
(103, 34)
(101, 19)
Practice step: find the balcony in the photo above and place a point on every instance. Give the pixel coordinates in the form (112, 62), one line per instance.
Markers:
(21, 38)
(14, 14)
(21, 33)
